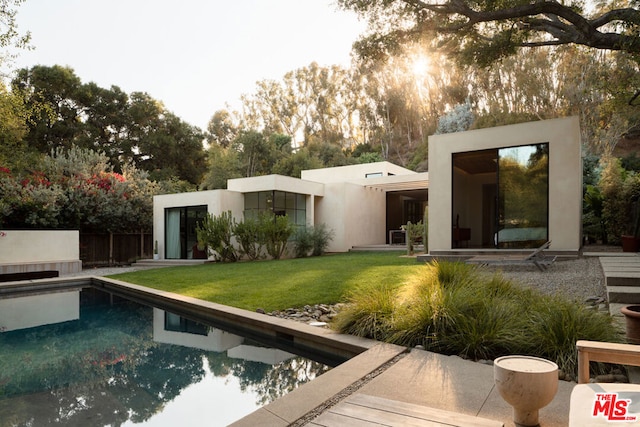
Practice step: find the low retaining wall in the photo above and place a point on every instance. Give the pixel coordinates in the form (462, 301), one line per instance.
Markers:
(23, 251)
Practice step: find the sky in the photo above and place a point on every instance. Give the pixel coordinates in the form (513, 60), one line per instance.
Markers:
(196, 56)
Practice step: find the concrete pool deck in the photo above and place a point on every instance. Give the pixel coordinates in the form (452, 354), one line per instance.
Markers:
(413, 377)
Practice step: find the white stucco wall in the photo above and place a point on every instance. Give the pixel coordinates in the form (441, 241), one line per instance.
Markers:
(38, 310)
(353, 172)
(216, 340)
(356, 214)
(35, 246)
(217, 201)
(565, 176)
(275, 182)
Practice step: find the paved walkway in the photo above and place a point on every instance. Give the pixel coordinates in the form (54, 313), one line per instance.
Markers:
(419, 377)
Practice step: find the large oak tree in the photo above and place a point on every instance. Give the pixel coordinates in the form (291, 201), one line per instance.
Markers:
(482, 31)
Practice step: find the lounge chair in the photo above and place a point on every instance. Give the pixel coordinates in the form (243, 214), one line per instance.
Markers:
(537, 258)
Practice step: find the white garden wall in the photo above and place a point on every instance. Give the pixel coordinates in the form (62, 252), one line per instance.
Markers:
(38, 250)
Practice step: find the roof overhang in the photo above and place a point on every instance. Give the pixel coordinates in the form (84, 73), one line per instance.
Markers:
(417, 181)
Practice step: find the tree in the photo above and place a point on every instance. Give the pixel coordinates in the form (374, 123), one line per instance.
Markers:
(485, 31)
(458, 120)
(221, 129)
(51, 95)
(9, 34)
(64, 112)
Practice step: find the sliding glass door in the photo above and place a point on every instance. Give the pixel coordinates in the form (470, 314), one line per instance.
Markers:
(501, 197)
(180, 232)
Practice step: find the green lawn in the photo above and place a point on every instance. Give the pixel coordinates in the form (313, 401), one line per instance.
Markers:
(277, 285)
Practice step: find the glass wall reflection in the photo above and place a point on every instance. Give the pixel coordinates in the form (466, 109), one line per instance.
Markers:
(500, 197)
(523, 202)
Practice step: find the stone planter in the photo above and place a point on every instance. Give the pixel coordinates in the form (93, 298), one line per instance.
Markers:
(630, 243)
(632, 321)
(526, 383)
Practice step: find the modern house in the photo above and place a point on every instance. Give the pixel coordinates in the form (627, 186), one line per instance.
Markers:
(363, 205)
(508, 187)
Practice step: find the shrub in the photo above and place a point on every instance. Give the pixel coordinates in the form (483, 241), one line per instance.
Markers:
(320, 238)
(312, 239)
(370, 313)
(303, 242)
(215, 233)
(251, 237)
(555, 325)
(277, 231)
(454, 308)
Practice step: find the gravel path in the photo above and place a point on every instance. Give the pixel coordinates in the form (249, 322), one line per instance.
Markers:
(578, 279)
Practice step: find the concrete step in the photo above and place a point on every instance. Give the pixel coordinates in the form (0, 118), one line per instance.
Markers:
(623, 294)
(627, 280)
(378, 248)
(167, 262)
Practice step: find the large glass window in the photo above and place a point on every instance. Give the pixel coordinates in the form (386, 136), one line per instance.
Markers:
(282, 203)
(175, 323)
(523, 203)
(180, 232)
(500, 197)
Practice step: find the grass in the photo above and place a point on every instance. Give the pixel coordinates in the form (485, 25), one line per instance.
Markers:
(449, 308)
(277, 285)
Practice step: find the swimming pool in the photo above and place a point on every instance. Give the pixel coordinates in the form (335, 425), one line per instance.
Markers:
(109, 360)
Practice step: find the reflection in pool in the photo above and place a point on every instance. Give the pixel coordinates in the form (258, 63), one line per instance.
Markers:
(128, 364)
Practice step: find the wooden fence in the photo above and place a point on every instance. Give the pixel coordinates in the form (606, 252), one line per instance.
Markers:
(114, 249)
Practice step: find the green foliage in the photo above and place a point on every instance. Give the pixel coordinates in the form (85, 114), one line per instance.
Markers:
(277, 230)
(425, 234)
(314, 240)
(620, 192)
(61, 111)
(77, 189)
(215, 233)
(555, 324)
(371, 312)
(593, 222)
(321, 236)
(302, 242)
(454, 308)
(250, 235)
(414, 232)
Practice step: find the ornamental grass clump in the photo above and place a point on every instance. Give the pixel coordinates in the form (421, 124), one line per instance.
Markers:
(458, 309)
(370, 314)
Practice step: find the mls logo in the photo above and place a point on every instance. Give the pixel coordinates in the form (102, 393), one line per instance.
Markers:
(612, 408)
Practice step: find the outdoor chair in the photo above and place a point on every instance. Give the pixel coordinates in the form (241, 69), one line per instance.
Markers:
(537, 258)
(600, 404)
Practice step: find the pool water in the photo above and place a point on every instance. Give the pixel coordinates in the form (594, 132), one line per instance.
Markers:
(126, 364)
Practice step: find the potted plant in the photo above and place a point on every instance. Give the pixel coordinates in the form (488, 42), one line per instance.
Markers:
(631, 242)
(155, 251)
(632, 322)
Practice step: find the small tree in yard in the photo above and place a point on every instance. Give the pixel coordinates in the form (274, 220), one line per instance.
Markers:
(314, 240)
(251, 237)
(215, 233)
(320, 237)
(413, 233)
(303, 242)
(277, 229)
